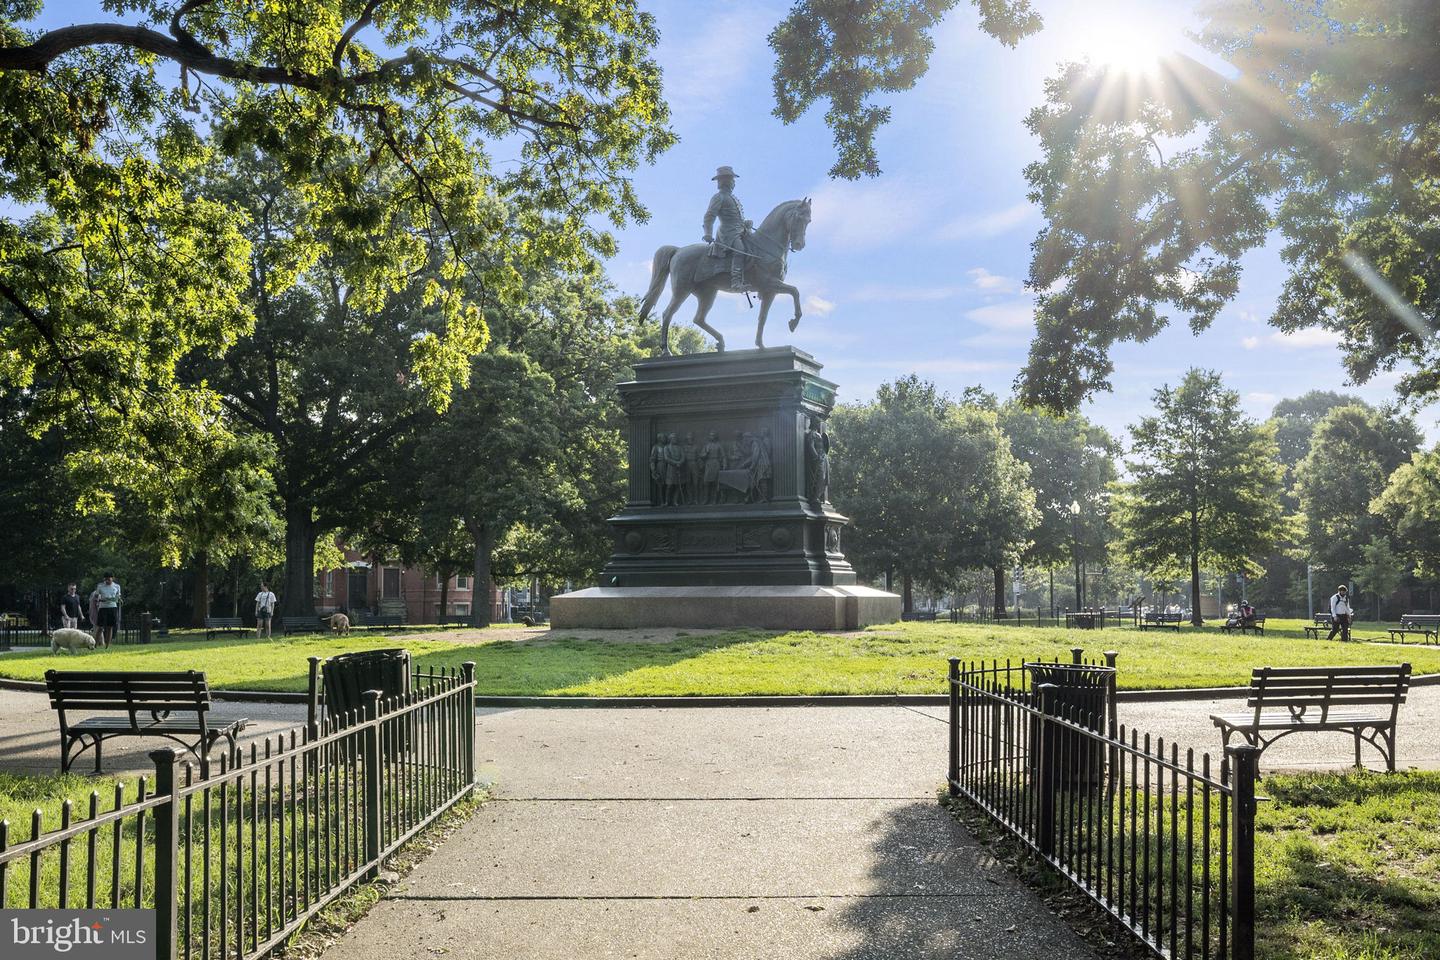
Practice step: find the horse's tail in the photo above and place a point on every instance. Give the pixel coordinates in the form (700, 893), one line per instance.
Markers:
(659, 271)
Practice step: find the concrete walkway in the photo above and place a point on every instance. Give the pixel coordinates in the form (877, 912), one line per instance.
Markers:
(711, 833)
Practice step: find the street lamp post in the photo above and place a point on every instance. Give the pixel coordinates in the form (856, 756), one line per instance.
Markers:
(1075, 553)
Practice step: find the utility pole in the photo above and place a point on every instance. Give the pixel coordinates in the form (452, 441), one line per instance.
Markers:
(1310, 588)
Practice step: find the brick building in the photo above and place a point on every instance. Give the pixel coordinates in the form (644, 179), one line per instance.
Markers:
(391, 588)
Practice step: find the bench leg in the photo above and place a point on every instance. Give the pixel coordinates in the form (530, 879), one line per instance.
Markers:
(97, 753)
(1357, 750)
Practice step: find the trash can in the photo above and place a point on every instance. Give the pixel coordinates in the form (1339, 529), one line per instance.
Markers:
(347, 676)
(1085, 696)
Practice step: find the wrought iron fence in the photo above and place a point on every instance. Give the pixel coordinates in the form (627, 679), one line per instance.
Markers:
(1161, 840)
(235, 863)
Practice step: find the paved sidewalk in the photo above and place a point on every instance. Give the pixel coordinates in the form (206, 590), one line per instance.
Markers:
(30, 735)
(681, 834)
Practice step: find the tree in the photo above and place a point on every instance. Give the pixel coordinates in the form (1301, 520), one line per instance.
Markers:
(114, 271)
(845, 53)
(1296, 418)
(1071, 461)
(1410, 505)
(529, 460)
(1154, 189)
(1354, 453)
(930, 486)
(1205, 487)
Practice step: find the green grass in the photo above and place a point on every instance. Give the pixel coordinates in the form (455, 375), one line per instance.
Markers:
(1348, 867)
(892, 658)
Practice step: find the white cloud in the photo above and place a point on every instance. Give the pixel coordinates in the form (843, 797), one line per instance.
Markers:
(990, 224)
(1011, 315)
(819, 305)
(925, 366)
(991, 282)
(1260, 398)
(1306, 338)
(858, 216)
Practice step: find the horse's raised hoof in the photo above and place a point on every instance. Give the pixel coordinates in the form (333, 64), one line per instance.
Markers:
(794, 322)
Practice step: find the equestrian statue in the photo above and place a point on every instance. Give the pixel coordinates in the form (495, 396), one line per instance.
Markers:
(732, 257)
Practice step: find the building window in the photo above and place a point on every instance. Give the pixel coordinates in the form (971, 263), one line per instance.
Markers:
(325, 584)
(439, 582)
(462, 609)
(390, 583)
(462, 583)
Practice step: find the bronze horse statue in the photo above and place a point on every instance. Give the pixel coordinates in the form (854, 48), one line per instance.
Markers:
(692, 270)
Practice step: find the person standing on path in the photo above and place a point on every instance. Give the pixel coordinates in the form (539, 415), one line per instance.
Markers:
(264, 610)
(1340, 614)
(70, 608)
(107, 595)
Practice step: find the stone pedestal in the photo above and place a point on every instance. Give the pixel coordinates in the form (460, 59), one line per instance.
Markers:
(739, 511)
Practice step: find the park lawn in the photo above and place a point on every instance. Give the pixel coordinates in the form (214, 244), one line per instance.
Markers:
(886, 659)
(1348, 867)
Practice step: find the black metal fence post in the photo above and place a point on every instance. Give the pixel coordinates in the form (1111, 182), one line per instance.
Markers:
(952, 776)
(1077, 655)
(167, 852)
(1245, 768)
(1110, 656)
(373, 776)
(1047, 771)
(467, 669)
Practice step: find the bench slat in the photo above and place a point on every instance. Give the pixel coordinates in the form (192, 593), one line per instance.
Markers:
(1330, 671)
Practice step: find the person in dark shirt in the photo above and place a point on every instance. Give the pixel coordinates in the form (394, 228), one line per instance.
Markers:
(70, 608)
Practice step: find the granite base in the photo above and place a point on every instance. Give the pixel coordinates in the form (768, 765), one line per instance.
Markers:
(768, 607)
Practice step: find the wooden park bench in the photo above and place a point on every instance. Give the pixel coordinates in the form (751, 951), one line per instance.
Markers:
(1286, 700)
(137, 704)
(378, 621)
(217, 625)
(1426, 624)
(1160, 621)
(1253, 625)
(1322, 624)
(289, 625)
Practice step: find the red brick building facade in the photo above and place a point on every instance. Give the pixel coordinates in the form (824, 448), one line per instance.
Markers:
(392, 588)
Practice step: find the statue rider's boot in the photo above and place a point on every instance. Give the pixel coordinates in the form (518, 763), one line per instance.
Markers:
(737, 273)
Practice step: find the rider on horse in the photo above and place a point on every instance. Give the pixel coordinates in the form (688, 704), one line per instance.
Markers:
(725, 207)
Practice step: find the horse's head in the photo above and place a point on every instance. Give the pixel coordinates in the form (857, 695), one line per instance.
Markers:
(796, 221)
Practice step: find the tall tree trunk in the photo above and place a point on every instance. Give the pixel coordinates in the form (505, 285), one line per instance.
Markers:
(907, 594)
(200, 603)
(1195, 618)
(481, 587)
(299, 597)
(999, 592)
(889, 579)
(444, 595)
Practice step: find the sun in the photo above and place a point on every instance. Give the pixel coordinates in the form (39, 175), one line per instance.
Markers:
(1130, 38)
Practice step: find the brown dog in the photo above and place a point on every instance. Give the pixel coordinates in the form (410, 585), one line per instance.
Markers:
(339, 623)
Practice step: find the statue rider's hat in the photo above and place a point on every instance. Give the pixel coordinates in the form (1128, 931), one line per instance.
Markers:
(725, 172)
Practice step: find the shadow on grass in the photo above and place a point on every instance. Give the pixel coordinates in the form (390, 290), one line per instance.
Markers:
(1346, 867)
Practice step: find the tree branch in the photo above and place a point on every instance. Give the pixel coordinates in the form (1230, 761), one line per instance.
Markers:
(366, 18)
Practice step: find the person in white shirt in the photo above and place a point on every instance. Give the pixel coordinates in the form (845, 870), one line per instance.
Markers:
(264, 610)
(107, 596)
(1340, 612)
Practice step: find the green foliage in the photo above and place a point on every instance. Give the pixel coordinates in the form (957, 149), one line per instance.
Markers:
(1296, 418)
(377, 113)
(1071, 460)
(1355, 450)
(1410, 507)
(931, 486)
(847, 53)
(1155, 188)
(1205, 487)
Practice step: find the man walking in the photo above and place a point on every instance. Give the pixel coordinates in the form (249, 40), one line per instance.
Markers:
(107, 595)
(264, 610)
(70, 608)
(1340, 614)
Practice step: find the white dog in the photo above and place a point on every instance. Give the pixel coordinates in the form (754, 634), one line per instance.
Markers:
(71, 639)
(339, 623)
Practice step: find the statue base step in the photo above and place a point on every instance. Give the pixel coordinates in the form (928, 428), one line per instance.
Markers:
(766, 607)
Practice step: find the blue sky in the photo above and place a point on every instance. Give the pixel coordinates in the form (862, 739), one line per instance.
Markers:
(920, 269)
